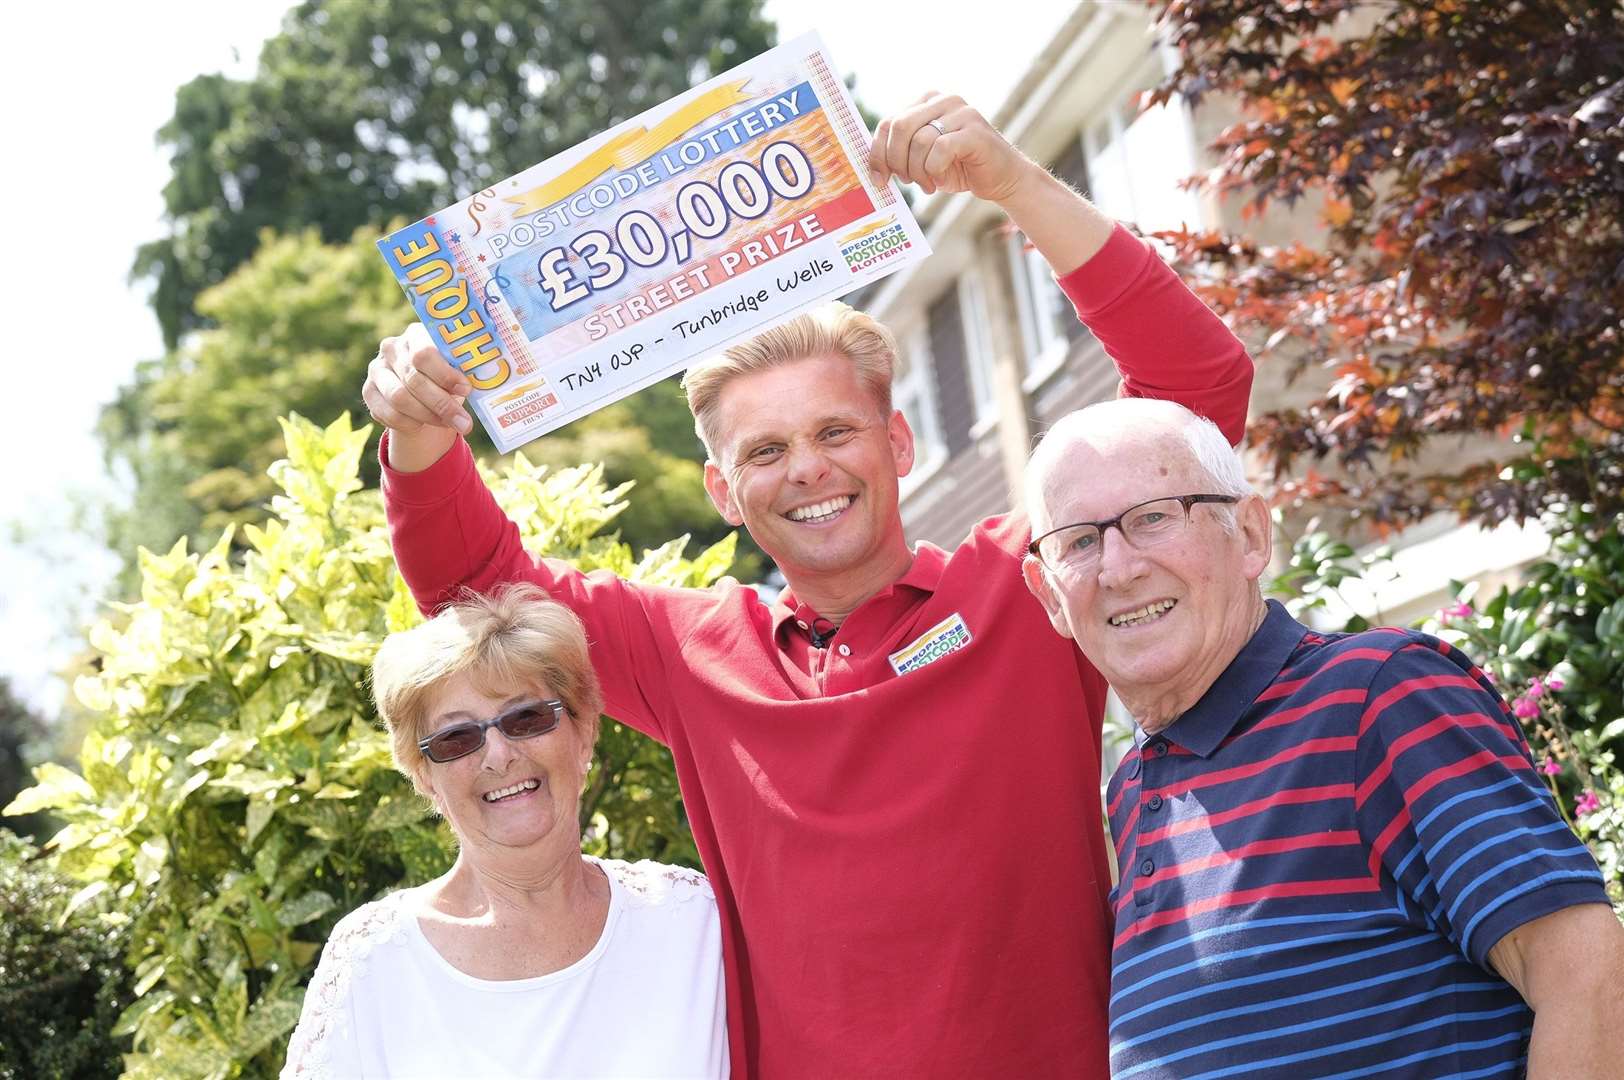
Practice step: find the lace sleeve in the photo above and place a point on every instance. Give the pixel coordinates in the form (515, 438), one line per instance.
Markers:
(324, 1045)
(649, 882)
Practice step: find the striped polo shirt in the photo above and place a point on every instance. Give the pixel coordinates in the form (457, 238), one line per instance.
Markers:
(1316, 860)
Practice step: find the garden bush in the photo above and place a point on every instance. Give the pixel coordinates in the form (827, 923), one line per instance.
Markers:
(236, 795)
(62, 978)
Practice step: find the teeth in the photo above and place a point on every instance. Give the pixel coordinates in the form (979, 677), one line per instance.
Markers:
(523, 785)
(817, 511)
(1144, 614)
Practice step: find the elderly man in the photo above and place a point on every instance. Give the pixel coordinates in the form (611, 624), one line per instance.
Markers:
(1336, 857)
(890, 771)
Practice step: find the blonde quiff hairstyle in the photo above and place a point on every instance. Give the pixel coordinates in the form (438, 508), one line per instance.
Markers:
(829, 329)
(515, 637)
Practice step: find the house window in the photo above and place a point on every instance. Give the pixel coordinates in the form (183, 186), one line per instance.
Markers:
(949, 361)
(912, 392)
(1130, 164)
(978, 352)
(1048, 321)
(1136, 162)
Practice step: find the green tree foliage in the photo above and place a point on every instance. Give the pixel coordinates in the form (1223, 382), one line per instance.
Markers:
(1470, 161)
(62, 979)
(366, 110)
(292, 330)
(236, 794)
(648, 440)
(23, 741)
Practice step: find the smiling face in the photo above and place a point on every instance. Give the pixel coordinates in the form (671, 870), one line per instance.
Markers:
(809, 463)
(510, 793)
(1161, 622)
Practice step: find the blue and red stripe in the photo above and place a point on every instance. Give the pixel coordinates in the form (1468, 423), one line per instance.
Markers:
(1316, 860)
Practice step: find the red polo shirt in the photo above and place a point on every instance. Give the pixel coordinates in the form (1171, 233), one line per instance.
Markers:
(910, 867)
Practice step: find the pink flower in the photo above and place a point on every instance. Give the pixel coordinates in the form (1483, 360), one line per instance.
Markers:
(1524, 708)
(1458, 610)
(1489, 675)
(1587, 804)
(1552, 767)
(1536, 688)
(1553, 684)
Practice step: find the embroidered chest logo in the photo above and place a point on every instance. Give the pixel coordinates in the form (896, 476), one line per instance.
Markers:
(949, 635)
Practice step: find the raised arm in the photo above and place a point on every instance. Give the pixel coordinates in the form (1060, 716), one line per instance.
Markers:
(1165, 342)
(449, 534)
(446, 530)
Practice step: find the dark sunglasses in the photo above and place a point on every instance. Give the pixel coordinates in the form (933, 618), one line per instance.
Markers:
(520, 722)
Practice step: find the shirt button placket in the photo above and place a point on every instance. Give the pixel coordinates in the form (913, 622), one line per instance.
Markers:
(1151, 757)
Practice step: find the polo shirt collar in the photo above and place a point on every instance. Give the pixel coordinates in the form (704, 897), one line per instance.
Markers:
(1205, 725)
(922, 575)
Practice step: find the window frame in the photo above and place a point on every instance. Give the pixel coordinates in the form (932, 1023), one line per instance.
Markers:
(1045, 345)
(913, 393)
(978, 352)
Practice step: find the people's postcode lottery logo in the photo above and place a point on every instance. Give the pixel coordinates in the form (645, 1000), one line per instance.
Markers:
(875, 245)
(948, 636)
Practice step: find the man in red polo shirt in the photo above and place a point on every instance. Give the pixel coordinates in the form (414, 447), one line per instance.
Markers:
(892, 772)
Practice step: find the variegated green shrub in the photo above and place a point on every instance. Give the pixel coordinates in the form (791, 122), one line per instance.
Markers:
(237, 794)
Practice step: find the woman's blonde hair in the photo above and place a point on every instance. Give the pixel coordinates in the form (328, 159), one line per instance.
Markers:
(514, 637)
(831, 329)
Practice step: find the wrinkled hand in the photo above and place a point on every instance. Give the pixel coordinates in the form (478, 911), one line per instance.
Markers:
(942, 144)
(410, 386)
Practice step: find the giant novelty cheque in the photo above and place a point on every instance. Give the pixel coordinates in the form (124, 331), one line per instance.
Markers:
(698, 223)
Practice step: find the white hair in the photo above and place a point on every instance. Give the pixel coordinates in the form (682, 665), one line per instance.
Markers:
(1219, 462)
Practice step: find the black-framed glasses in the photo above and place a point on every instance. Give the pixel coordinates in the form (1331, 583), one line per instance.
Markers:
(520, 722)
(1077, 547)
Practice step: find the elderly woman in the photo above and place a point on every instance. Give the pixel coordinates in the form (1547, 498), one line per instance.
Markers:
(526, 958)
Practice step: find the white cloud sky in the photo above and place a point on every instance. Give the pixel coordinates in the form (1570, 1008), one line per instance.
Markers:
(900, 50)
(86, 90)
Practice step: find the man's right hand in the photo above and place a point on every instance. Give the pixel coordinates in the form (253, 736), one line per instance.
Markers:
(419, 397)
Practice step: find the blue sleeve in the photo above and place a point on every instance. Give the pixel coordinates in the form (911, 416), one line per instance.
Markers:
(1449, 804)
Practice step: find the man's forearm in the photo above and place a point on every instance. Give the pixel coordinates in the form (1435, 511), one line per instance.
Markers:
(447, 532)
(1579, 1040)
(1163, 340)
(1066, 228)
(414, 451)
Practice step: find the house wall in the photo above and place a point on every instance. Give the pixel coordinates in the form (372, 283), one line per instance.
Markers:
(970, 315)
(991, 362)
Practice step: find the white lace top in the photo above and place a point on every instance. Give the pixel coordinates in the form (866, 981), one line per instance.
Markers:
(646, 1001)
